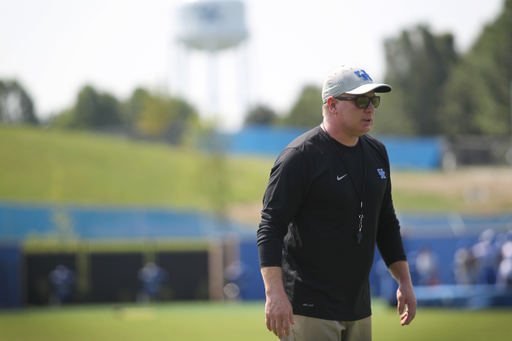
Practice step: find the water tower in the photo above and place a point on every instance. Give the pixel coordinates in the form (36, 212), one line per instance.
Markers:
(210, 26)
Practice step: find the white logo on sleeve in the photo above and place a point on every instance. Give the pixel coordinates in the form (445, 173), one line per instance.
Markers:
(381, 173)
(341, 177)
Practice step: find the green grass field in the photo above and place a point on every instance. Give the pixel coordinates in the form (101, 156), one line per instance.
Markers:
(221, 321)
(41, 166)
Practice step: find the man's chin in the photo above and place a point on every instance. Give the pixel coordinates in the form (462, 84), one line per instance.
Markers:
(366, 129)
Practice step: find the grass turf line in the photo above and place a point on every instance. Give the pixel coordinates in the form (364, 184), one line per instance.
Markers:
(224, 321)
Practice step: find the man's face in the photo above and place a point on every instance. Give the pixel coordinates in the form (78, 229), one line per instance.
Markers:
(353, 121)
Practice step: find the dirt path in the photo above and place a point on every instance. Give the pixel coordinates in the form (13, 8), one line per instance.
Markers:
(479, 189)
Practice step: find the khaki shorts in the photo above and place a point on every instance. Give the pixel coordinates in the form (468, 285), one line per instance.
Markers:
(313, 329)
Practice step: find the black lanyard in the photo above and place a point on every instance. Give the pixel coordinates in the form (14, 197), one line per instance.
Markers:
(360, 195)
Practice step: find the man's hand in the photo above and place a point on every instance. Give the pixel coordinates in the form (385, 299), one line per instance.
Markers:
(406, 300)
(278, 309)
(278, 314)
(405, 293)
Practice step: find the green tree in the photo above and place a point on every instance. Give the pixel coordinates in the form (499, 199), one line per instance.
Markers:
(418, 65)
(166, 117)
(152, 115)
(91, 110)
(307, 111)
(476, 97)
(16, 106)
(133, 108)
(260, 114)
(94, 109)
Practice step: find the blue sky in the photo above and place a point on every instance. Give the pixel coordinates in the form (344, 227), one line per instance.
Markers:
(54, 47)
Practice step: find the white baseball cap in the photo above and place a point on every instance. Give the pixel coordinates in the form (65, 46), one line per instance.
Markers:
(350, 79)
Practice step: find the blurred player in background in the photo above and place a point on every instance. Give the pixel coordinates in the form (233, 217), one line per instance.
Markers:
(152, 276)
(62, 280)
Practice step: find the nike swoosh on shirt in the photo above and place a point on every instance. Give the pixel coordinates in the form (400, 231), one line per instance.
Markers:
(341, 177)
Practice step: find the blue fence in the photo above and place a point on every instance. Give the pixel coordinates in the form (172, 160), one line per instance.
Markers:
(422, 153)
(262, 140)
(414, 152)
(18, 222)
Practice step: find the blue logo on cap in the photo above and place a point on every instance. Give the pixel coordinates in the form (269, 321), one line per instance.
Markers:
(363, 74)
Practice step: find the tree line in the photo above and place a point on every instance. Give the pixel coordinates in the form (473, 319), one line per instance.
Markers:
(146, 114)
(149, 114)
(436, 91)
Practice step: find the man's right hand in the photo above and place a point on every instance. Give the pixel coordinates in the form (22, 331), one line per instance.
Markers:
(278, 309)
(278, 314)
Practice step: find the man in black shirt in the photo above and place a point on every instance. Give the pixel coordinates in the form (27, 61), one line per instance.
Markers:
(327, 204)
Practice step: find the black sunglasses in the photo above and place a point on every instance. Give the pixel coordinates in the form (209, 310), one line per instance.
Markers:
(362, 102)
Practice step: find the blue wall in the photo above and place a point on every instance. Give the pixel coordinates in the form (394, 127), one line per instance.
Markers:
(10, 276)
(443, 234)
(254, 288)
(380, 279)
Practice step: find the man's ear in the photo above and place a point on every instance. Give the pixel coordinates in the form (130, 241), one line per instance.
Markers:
(331, 103)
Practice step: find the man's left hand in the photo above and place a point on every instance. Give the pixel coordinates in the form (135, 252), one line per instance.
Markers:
(406, 301)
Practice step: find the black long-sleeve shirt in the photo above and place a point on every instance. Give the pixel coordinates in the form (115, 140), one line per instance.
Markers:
(310, 220)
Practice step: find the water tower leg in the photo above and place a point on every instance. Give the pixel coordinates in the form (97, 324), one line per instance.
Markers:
(182, 70)
(243, 81)
(213, 106)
